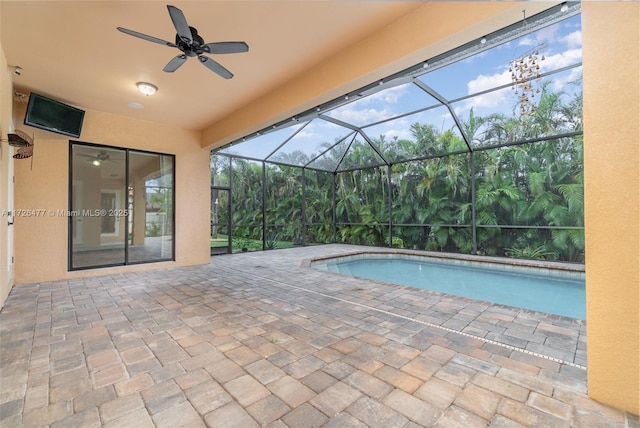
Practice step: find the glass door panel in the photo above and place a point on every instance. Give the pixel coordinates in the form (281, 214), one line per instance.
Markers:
(121, 206)
(97, 200)
(151, 201)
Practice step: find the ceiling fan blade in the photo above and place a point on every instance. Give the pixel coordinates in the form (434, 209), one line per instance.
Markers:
(215, 67)
(175, 63)
(226, 47)
(180, 22)
(145, 37)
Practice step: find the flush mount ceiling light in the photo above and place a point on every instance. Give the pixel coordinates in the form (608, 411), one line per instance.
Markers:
(146, 88)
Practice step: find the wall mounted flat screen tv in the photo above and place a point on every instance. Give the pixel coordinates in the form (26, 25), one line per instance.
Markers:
(54, 116)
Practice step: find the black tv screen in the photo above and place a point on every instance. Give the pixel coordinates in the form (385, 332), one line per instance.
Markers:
(54, 116)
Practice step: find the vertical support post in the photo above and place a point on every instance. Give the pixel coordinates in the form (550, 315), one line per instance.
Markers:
(70, 224)
(126, 204)
(333, 205)
(264, 208)
(231, 206)
(474, 231)
(390, 206)
(303, 207)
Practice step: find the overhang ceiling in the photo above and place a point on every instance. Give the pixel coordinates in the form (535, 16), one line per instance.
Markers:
(71, 51)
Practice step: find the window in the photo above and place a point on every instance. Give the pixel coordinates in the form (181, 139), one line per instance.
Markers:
(121, 206)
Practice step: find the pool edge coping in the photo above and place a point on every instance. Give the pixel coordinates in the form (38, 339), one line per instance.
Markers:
(561, 266)
(306, 263)
(578, 268)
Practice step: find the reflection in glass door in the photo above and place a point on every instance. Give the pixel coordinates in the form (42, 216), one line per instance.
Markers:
(97, 237)
(220, 218)
(151, 201)
(121, 206)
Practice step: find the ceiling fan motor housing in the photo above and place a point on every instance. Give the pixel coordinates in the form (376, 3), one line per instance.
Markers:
(196, 47)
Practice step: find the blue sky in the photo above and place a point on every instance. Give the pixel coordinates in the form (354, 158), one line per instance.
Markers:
(560, 43)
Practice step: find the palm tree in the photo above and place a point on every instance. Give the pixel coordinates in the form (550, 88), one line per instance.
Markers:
(528, 197)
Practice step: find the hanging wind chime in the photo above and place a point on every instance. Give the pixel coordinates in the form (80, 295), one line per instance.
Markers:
(525, 75)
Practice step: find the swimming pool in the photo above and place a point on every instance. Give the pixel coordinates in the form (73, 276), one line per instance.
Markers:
(550, 290)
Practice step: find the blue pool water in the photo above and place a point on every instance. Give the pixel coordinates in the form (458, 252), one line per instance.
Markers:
(544, 290)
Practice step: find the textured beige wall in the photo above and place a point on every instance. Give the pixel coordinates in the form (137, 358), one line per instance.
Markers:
(611, 43)
(41, 242)
(6, 280)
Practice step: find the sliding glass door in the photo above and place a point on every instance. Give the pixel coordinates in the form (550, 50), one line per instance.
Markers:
(151, 201)
(121, 205)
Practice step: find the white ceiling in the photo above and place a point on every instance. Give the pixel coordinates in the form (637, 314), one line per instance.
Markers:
(71, 50)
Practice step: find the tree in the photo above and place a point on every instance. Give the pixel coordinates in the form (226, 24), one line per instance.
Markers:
(528, 197)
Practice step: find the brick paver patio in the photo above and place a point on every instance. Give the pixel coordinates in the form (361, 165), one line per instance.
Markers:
(261, 339)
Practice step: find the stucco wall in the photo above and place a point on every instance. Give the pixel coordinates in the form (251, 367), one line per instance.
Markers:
(6, 280)
(41, 242)
(611, 43)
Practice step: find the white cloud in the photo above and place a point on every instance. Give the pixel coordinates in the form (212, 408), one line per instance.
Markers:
(324, 125)
(398, 128)
(366, 115)
(562, 59)
(528, 41)
(307, 134)
(559, 60)
(402, 134)
(552, 62)
(371, 109)
(388, 96)
(314, 130)
(548, 34)
(573, 40)
(484, 82)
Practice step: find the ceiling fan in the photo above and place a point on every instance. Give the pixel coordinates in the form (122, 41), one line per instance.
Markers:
(191, 44)
(98, 158)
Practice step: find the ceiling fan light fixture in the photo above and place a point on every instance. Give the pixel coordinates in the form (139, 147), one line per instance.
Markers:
(146, 88)
(96, 162)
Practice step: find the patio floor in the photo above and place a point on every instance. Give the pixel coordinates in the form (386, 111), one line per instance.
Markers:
(259, 339)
